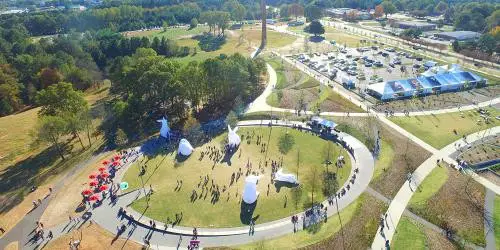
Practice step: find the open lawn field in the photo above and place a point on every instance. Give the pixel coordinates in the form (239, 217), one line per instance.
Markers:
(408, 236)
(331, 33)
(456, 204)
(275, 201)
(171, 33)
(496, 219)
(437, 130)
(92, 237)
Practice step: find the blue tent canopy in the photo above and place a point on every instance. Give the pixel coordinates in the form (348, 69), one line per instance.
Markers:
(323, 122)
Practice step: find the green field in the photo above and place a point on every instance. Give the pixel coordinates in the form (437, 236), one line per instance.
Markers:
(437, 130)
(331, 33)
(170, 33)
(429, 187)
(408, 236)
(496, 219)
(163, 172)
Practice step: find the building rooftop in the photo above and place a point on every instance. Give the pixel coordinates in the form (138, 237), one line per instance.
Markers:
(461, 35)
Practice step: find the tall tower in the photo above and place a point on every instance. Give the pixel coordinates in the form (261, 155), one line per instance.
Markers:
(264, 23)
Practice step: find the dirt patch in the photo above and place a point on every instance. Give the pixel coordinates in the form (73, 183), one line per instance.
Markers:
(92, 237)
(486, 151)
(458, 206)
(12, 246)
(359, 232)
(436, 240)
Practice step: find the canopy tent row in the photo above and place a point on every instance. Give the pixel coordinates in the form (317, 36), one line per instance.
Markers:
(428, 83)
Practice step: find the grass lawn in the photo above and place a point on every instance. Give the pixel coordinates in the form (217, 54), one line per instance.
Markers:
(274, 39)
(384, 160)
(429, 187)
(305, 238)
(94, 237)
(163, 172)
(341, 37)
(496, 219)
(408, 235)
(437, 130)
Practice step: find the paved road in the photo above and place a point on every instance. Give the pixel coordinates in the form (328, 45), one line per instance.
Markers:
(400, 201)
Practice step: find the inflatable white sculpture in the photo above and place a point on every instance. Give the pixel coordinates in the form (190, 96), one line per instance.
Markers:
(290, 178)
(185, 148)
(233, 138)
(165, 130)
(250, 192)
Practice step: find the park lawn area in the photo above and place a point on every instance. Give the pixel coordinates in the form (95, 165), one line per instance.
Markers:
(429, 187)
(171, 33)
(162, 173)
(384, 160)
(94, 237)
(274, 39)
(306, 238)
(455, 204)
(341, 37)
(408, 235)
(496, 219)
(372, 24)
(437, 130)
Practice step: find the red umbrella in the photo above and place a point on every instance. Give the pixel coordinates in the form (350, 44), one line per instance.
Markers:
(115, 163)
(87, 192)
(92, 176)
(94, 197)
(103, 187)
(117, 158)
(104, 175)
(105, 162)
(93, 183)
(102, 169)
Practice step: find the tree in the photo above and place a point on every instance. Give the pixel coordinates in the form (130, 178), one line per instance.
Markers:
(9, 91)
(494, 19)
(388, 7)
(295, 10)
(232, 119)
(379, 11)
(297, 195)
(313, 12)
(193, 24)
(487, 43)
(285, 143)
(284, 13)
(441, 7)
(316, 28)
(50, 129)
(49, 76)
(236, 10)
(60, 99)
(352, 15)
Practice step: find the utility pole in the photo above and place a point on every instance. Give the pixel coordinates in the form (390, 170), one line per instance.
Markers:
(264, 24)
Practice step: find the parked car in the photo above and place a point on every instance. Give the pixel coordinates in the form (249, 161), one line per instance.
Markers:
(419, 59)
(390, 49)
(417, 66)
(378, 64)
(368, 64)
(392, 65)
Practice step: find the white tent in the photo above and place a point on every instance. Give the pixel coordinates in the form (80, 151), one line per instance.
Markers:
(290, 178)
(185, 148)
(250, 192)
(233, 138)
(165, 130)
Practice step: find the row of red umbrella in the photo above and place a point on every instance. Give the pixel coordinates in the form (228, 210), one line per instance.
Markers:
(102, 174)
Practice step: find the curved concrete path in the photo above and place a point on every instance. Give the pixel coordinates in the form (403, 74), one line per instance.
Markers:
(106, 214)
(400, 201)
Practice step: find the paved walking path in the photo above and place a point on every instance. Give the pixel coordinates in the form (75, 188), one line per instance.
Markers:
(489, 227)
(400, 201)
(22, 231)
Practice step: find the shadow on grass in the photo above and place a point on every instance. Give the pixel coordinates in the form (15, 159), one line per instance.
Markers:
(246, 213)
(279, 184)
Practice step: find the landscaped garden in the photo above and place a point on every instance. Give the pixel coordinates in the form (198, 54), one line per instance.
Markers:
(443, 129)
(179, 186)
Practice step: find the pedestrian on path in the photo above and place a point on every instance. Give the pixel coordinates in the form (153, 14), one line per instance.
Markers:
(50, 235)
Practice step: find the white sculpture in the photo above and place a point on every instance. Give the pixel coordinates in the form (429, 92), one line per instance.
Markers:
(233, 138)
(185, 148)
(290, 178)
(250, 192)
(165, 130)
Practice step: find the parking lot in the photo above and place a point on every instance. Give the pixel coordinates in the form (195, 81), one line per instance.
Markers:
(359, 67)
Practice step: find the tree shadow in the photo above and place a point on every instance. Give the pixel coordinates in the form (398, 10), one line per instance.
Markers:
(246, 212)
(316, 39)
(228, 155)
(18, 179)
(279, 184)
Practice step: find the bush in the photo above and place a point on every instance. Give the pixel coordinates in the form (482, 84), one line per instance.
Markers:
(285, 143)
(209, 42)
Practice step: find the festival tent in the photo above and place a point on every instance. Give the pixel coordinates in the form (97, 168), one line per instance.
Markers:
(290, 178)
(233, 138)
(165, 130)
(250, 193)
(185, 148)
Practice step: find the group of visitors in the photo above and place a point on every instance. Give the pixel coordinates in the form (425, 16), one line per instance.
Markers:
(295, 221)
(39, 233)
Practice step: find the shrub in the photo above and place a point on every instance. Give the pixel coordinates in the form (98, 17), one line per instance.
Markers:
(209, 42)
(285, 143)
